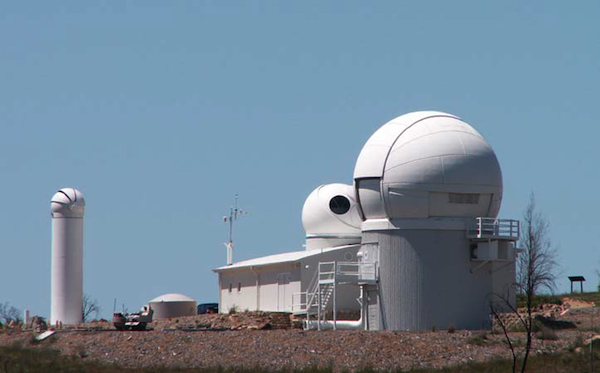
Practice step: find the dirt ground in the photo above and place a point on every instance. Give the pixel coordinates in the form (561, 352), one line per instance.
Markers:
(273, 349)
(258, 339)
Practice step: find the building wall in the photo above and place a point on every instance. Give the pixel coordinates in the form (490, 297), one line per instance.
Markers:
(426, 280)
(266, 288)
(277, 282)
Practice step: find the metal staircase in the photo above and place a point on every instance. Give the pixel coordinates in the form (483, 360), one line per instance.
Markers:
(320, 297)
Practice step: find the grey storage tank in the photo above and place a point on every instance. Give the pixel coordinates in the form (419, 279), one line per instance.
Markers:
(173, 305)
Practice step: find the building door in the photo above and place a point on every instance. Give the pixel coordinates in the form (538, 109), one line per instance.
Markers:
(283, 281)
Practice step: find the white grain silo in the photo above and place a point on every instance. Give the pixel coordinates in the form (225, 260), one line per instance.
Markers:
(67, 208)
(429, 188)
(330, 217)
(172, 305)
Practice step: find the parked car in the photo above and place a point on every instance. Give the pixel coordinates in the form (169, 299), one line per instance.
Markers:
(208, 308)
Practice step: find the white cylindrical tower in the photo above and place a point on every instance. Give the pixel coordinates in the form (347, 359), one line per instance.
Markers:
(67, 208)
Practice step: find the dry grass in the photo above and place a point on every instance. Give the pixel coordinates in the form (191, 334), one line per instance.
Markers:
(18, 359)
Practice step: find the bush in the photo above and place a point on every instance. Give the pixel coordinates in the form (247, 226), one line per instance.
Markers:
(478, 339)
(545, 333)
(451, 329)
(233, 309)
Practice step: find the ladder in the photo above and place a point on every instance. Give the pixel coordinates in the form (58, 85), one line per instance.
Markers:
(320, 295)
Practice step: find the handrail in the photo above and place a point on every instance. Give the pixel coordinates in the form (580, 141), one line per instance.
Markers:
(482, 227)
(311, 290)
(332, 271)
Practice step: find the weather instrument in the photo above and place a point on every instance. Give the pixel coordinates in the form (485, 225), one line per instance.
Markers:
(234, 214)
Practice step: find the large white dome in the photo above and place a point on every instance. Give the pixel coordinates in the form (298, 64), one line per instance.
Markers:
(330, 217)
(428, 164)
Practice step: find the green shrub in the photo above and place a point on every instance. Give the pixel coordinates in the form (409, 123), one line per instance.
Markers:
(233, 309)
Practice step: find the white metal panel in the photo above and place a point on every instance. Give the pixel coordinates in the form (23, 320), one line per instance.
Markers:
(432, 145)
(243, 291)
(371, 160)
(406, 203)
(421, 171)
(371, 200)
(440, 206)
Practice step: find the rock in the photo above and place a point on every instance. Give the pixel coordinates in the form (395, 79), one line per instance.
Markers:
(593, 338)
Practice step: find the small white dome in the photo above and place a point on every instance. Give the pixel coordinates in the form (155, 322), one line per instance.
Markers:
(330, 212)
(428, 164)
(172, 297)
(68, 203)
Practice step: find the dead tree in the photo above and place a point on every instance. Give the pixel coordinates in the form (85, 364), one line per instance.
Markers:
(536, 270)
(89, 307)
(9, 313)
(497, 307)
(537, 263)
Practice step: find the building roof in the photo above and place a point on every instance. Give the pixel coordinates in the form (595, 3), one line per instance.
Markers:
(172, 297)
(290, 257)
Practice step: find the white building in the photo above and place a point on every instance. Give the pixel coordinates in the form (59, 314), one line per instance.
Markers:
(414, 244)
(272, 283)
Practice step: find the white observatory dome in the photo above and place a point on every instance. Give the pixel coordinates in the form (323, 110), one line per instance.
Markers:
(428, 164)
(330, 217)
(68, 203)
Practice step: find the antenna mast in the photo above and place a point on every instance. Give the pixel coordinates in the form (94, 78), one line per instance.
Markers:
(234, 213)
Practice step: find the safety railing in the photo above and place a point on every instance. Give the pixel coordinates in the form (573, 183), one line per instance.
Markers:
(332, 273)
(491, 228)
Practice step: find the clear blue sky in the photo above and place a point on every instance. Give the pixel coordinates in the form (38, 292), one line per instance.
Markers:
(159, 112)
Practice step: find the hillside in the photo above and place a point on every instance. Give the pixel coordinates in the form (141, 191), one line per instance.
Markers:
(249, 340)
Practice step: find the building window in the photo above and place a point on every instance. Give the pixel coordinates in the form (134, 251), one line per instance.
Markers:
(230, 287)
(239, 286)
(339, 205)
(464, 198)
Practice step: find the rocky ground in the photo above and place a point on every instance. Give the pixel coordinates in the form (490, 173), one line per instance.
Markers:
(253, 339)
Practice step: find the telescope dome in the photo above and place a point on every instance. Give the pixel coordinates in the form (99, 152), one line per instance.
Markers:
(428, 164)
(330, 216)
(67, 203)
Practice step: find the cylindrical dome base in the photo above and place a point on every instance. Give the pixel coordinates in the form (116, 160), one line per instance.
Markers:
(427, 280)
(67, 271)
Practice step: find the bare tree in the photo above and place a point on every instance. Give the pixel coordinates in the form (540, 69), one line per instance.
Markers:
(9, 313)
(90, 307)
(537, 266)
(537, 263)
(526, 321)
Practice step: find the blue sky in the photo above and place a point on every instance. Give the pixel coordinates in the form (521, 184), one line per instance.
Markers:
(159, 112)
